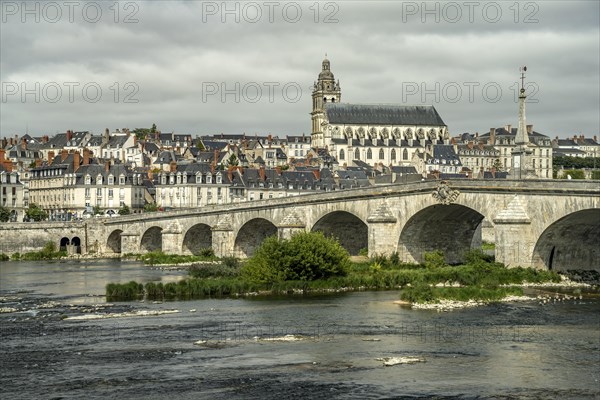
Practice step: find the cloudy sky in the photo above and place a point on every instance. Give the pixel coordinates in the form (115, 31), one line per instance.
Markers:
(203, 67)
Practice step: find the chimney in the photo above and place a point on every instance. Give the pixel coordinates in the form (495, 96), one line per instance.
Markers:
(11, 141)
(107, 166)
(317, 174)
(215, 157)
(63, 155)
(470, 145)
(69, 135)
(50, 157)
(582, 137)
(476, 134)
(8, 165)
(261, 172)
(230, 172)
(23, 143)
(86, 157)
(529, 129)
(76, 161)
(509, 128)
(2, 152)
(38, 162)
(492, 136)
(575, 138)
(150, 174)
(45, 139)
(173, 166)
(595, 138)
(278, 169)
(494, 172)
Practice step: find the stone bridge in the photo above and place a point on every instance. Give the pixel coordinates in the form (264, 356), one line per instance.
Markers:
(543, 224)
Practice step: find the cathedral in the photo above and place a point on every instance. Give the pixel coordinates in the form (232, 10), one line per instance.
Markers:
(390, 134)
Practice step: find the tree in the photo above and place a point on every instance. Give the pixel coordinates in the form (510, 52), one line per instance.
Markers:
(150, 207)
(4, 214)
(153, 129)
(497, 164)
(306, 256)
(200, 145)
(97, 210)
(124, 210)
(233, 161)
(35, 213)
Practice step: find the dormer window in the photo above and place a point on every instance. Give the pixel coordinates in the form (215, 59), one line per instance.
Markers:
(163, 180)
(111, 180)
(171, 179)
(88, 180)
(209, 178)
(198, 178)
(178, 178)
(99, 180)
(121, 179)
(219, 179)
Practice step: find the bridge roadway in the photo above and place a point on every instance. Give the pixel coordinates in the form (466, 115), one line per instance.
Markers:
(549, 224)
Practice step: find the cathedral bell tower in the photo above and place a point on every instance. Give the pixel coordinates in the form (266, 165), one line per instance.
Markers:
(325, 90)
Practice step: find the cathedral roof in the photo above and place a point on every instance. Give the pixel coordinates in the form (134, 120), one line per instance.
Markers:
(382, 114)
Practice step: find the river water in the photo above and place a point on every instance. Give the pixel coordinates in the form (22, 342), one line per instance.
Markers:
(238, 348)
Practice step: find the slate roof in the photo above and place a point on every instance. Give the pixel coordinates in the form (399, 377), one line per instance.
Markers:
(503, 132)
(382, 114)
(444, 152)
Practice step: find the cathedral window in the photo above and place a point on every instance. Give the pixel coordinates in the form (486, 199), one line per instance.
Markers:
(369, 154)
(357, 154)
(393, 155)
(405, 154)
(381, 154)
(342, 155)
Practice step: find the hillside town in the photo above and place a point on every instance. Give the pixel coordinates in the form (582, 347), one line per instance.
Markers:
(81, 174)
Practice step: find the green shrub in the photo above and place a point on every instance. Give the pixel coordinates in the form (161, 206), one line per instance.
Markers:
(124, 291)
(306, 256)
(5, 257)
(364, 252)
(207, 252)
(231, 262)
(213, 271)
(15, 256)
(434, 259)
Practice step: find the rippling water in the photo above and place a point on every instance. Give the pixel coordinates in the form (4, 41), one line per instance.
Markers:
(224, 348)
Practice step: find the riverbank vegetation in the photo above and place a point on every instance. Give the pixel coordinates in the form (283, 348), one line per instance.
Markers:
(158, 257)
(310, 262)
(49, 252)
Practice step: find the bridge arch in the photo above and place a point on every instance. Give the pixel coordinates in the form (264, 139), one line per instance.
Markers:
(76, 242)
(198, 237)
(114, 241)
(251, 235)
(449, 228)
(64, 242)
(151, 239)
(571, 242)
(351, 231)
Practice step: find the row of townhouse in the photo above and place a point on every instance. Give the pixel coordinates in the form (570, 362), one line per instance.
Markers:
(68, 185)
(577, 146)
(194, 185)
(493, 150)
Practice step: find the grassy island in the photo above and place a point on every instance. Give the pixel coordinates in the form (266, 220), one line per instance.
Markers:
(311, 262)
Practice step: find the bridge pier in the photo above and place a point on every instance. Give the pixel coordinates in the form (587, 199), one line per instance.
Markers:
(130, 242)
(223, 241)
(514, 237)
(381, 230)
